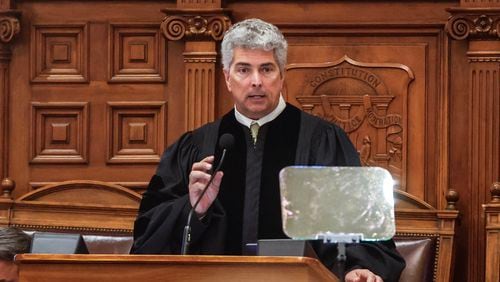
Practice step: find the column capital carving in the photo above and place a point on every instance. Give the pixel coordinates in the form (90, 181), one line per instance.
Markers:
(9, 25)
(474, 23)
(200, 57)
(209, 24)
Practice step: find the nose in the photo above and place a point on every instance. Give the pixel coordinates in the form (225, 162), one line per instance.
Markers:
(256, 79)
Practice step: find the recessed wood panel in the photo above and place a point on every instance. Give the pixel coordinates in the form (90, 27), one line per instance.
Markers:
(59, 132)
(136, 131)
(137, 53)
(59, 53)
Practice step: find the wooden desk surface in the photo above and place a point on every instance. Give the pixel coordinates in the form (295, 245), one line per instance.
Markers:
(103, 268)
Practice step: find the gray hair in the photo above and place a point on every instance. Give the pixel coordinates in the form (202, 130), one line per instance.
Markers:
(254, 34)
(13, 241)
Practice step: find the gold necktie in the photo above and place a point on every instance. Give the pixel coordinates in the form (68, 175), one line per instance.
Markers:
(254, 128)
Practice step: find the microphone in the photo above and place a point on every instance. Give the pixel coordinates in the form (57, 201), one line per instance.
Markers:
(226, 142)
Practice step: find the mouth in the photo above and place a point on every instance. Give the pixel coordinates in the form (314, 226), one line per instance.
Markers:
(256, 96)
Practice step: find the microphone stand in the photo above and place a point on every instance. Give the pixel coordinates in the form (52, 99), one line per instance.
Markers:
(341, 240)
(186, 235)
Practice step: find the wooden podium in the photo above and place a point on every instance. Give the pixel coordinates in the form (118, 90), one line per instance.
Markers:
(124, 268)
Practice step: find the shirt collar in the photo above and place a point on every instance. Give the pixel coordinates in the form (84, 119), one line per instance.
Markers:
(263, 120)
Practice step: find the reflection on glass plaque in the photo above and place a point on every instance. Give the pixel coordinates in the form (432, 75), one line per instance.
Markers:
(338, 201)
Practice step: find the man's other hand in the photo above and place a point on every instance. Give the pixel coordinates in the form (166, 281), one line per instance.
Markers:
(362, 275)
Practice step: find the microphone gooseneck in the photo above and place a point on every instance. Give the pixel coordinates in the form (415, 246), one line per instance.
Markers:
(226, 142)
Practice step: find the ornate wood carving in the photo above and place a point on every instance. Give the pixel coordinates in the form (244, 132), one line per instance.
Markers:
(200, 30)
(137, 187)
(427, 108)
(492, 215)
(416, 218)
(59, 53)
(484, 137)
(198, 3)
(9, 28)
(136, 131)
(199, 88)
(359, 98)
(83, 205)
(474, 23)
(479, 3)
(7, 187)
(202, 25)
(59, 132)
(481, 27)
(136, 53)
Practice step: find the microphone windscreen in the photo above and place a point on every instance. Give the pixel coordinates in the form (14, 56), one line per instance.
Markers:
(226, 141)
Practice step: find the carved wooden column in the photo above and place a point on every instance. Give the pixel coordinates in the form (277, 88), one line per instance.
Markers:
(9, 27)
(480, 26)
(201, 25)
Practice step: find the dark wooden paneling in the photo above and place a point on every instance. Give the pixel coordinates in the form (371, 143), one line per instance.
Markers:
(112, 57)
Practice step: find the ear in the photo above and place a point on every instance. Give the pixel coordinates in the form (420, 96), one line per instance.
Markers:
(282, 78)
(228, 81)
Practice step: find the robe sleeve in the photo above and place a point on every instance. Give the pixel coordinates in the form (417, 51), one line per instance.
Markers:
(331, 147)
(165, 206)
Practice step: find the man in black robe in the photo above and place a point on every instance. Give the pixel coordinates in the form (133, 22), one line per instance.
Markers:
(242, 203)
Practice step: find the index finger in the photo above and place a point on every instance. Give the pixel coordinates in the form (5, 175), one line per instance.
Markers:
(203, 165)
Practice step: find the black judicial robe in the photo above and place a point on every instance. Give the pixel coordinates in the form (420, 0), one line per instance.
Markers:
(293, 138)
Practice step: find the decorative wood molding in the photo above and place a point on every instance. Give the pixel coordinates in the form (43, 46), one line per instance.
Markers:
(9, 28)
(200, 28)
(209, 24)
(437, 132)
(136, 131)
(358, 97)
(484, 142)
(492, 215)
(138, 187)
(78, 205)
(9, 25)
(8, 185)
(416, 218)
(479, 3)
(481, 28)
(199, 88)
(479, 24)
(495, 193)
(137, 53)
(474, 23)
(59, 53)
(197, 4)
(59, 132)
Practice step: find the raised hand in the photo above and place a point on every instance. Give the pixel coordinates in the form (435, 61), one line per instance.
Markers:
(198, 179)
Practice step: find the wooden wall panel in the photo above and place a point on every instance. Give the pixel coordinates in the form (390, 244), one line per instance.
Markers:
(126, 63)
(59, 53)
(136, 132)
(407, 70)
(137, 53)
(59, 133)
(100, 54)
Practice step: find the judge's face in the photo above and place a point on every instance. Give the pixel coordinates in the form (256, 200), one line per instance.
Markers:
(255, 82)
